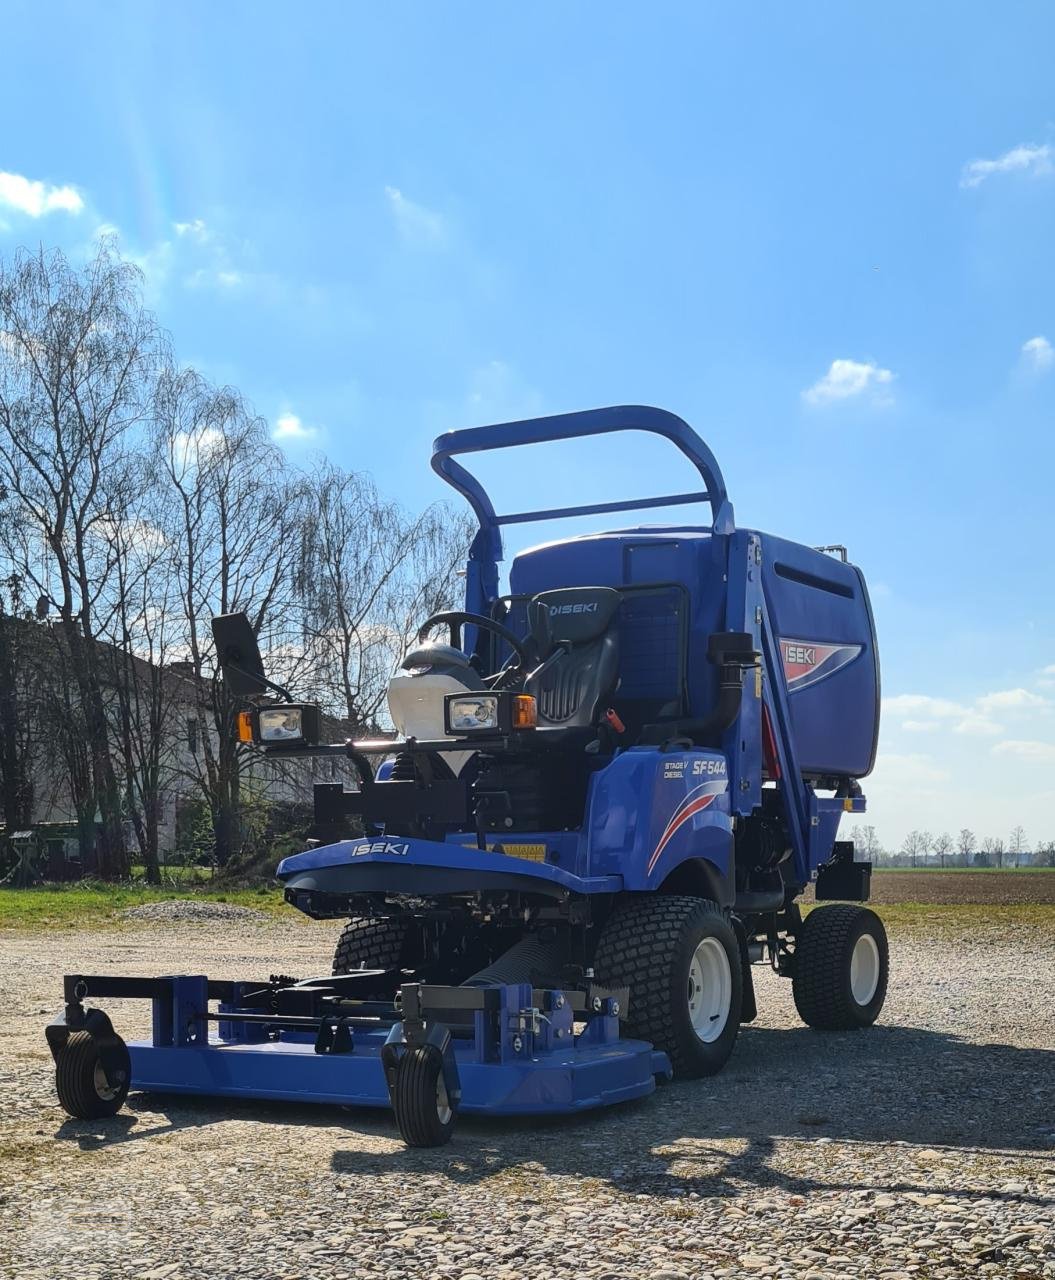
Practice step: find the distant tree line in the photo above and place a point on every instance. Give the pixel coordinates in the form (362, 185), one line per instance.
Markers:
(137, 500)
(921, 849)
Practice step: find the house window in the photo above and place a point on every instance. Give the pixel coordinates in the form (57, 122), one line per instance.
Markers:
(192, 735)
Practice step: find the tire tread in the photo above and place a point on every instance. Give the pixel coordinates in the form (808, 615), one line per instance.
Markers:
(74, 1083)
(370, 943)
(414, 1099)
(819, 983)
(635, 950)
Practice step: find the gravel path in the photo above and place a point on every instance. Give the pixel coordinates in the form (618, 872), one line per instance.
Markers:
(925, 1148)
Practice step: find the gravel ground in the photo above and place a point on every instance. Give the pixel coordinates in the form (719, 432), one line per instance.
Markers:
(924, 1148)
(185, 910)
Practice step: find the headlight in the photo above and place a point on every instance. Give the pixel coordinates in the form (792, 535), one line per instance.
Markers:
(500, 713)
(471, 715)
(282, 724)
(287, 725)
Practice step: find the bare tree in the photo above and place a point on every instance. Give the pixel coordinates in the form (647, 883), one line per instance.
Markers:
(926, 844)
(22, 733)
(1017, 843)
(913, 845)
(233, 539)
(866, 843)
(142, 621)
(993, 848)
(942, 846)
(965, 843)
(76, 368)
(367, 577)
(1044, 856)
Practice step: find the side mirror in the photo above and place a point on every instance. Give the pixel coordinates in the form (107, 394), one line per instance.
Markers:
(239, 655)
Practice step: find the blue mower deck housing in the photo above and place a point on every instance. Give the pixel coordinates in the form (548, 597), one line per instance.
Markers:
(608, 788)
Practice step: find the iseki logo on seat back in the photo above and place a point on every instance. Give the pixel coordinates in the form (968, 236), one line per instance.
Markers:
(806, 661)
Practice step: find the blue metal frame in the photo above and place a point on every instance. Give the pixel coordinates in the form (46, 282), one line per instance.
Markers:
(524, 1061)
(486, 551)
(646, 813)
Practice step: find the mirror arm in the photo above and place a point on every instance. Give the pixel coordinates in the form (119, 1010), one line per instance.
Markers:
(252, 675)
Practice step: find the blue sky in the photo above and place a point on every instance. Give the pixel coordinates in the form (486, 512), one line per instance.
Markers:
(822, 233)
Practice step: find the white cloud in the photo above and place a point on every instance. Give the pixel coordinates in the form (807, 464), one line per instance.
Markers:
(194, 230)
(1025, 158)
(136, 534)
(923, 704)
(37, 198)
(1010, 700)
(417, 225)
(1038, 354)
(909, 772)
(921, 713)
(849, 378)
(1027, 749)
(289, 427)
(977, 726)
(1046, 677)
(188, 447)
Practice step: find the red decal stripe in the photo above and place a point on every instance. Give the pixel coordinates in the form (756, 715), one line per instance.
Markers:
(675, 823)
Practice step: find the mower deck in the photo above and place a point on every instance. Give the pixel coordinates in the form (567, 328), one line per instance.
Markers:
(506, 1050)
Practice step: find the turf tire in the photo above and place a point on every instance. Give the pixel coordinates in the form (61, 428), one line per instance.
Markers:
(648, 945)
(822, 979)
(418, 1096)
(371, 944)
(79, 1081)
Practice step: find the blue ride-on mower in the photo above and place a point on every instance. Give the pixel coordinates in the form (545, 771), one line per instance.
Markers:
(610, 786)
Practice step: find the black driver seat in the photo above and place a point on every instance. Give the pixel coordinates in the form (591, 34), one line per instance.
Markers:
(576, 689)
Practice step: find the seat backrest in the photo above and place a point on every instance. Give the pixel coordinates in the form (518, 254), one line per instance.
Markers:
(574, 691)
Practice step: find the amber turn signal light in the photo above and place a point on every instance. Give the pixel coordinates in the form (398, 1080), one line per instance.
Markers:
(244, 727)
(525, 711)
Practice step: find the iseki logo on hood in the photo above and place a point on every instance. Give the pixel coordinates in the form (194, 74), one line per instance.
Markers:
(807, 661)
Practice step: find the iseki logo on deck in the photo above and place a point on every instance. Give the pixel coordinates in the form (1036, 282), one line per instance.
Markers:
(393, 848)
(807, 661)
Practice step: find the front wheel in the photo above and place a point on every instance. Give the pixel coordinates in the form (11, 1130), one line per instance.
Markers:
(841, 968)
(81, 1082)
(680, 958)
(424, 1111)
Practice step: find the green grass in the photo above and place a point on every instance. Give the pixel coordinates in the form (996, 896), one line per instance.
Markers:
(176, 875)
(92, 904)
(95, 905)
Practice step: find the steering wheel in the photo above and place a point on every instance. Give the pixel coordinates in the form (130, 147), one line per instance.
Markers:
(456, 620)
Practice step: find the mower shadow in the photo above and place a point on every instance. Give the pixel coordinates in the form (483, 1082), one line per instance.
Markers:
(889, 1085)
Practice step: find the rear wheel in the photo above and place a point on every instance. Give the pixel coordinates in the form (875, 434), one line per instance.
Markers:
(841, 968)
(680, 958)
(81, 1082)
(371, 944)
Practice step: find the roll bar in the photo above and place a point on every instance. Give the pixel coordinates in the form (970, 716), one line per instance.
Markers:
(573, 426)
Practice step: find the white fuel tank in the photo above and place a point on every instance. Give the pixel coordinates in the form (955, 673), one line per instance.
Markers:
(415, 703)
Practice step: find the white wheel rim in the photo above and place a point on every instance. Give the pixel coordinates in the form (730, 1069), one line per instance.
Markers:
(710, 990)
(443, 1102)
(864, 969)
(102, 1088)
